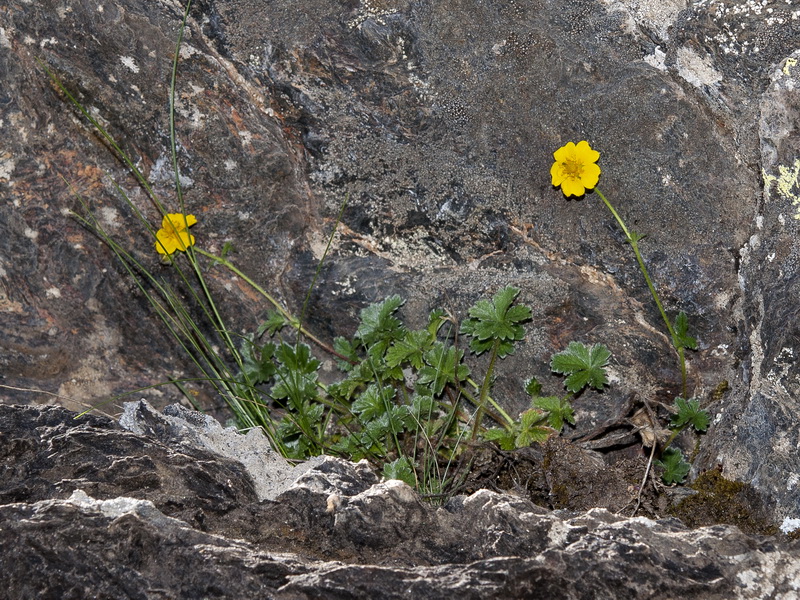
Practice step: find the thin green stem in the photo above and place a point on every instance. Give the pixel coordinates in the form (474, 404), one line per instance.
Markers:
(174, 77)
(615, 213)
(633, 240)
(278, 306)
(509, 422)
(179, 189)
(485, 390)
(106, 136)
(321, 261)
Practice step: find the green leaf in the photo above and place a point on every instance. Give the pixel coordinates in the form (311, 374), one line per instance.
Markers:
(349, 447)
(636, 237)
(348, 349)
(399, 417)
(297, 444)
(496, 320)
(423, 407)
(690, 413)
(583, 366)
(675, 467)
(274, 323)
(558, 409)
(227, 248)
(443, 366)
(373, 402)
(533, 387)
(503, 437)
(296, 377)
(378, 326)
(436, 319)
(374, 433)
(682, 337)
(314, 412)
(531, 429)
(257, 364)
(401, 469)
(297, 358)
(410, 349)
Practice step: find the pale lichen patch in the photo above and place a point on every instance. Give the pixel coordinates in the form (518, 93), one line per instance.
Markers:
(4, 41)
(129, 62)
(109, 217)
(786, 183)
(789, 525)
(696, 70)
(7, 166)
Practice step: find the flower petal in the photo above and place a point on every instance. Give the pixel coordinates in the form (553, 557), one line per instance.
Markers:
(590, 175)
(572, 187)
(186, 240)
(585, 153)
(557, 173)
(167, 243)
(564, 153)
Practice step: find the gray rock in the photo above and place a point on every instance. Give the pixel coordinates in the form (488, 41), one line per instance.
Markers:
(762, 438)
(336, 532)
(439, 121)
(178, 426)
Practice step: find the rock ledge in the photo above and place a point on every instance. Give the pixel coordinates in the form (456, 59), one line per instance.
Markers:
(156, 509)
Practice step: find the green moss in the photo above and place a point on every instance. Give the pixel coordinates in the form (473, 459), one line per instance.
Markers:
(719, 500)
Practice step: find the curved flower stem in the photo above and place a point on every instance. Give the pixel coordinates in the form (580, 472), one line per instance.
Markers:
(286, 315)
(633, 240)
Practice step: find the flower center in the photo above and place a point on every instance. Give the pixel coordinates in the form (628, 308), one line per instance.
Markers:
(573, 168)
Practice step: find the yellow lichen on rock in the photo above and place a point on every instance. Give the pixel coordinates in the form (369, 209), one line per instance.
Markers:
(787, 184)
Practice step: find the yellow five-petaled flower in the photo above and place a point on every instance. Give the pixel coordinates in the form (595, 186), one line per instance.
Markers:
(575, 169)
(174, 234)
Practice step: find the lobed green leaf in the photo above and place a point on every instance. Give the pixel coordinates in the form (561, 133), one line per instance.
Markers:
(690, 413)
(496, 320)
(583, 366)
(675, 466)
(402, 469)
(682, 337)
(443, 366)
(558, 410)
(378, 325)
(373, 402)
(410, 349)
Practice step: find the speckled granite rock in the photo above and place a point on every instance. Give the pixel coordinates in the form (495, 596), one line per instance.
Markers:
(439, 120)
(194, 527)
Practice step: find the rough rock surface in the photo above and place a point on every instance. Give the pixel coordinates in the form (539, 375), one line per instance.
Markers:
(438, 119)
(89, 509)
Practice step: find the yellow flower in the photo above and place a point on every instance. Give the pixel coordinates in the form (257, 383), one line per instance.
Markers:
(174, 234)
(575, 169)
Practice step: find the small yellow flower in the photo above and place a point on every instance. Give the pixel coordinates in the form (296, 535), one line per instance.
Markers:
(575, 169)
(174, 234)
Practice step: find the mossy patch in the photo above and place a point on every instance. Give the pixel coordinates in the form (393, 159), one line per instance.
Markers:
(720, 500)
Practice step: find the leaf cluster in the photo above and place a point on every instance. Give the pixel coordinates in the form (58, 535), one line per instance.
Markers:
(496, 321)
(687, 413)
(547, 415)
(403, 398)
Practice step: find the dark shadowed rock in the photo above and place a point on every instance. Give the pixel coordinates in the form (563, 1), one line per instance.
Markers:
(438, 120)
(335, 532)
